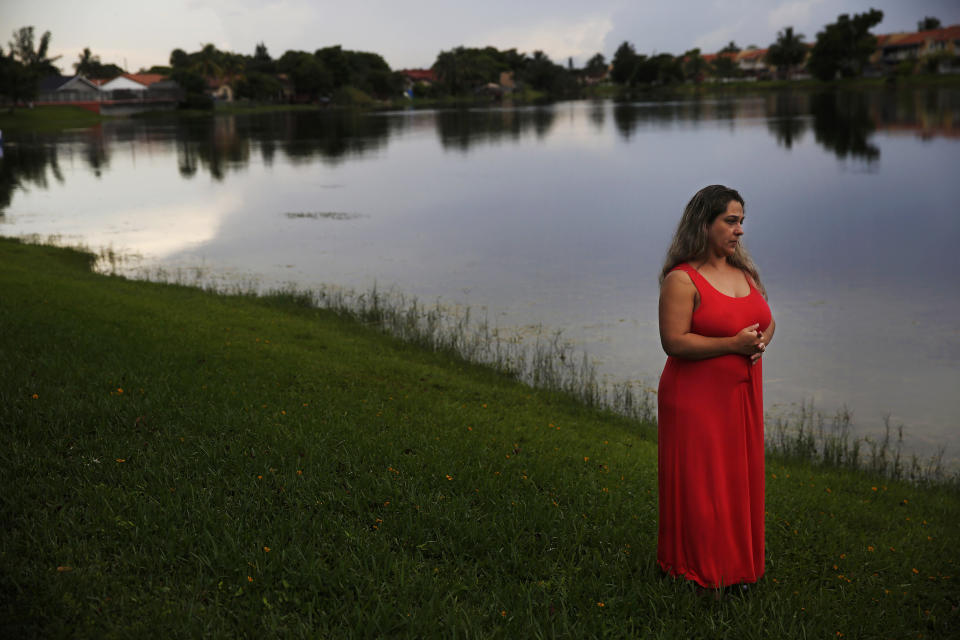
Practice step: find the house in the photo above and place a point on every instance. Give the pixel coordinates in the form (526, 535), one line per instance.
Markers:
(419, 76)
(895, 48)
(67, 89)
(76, 91)
(129, 85)
(753, 63)
(413, 77)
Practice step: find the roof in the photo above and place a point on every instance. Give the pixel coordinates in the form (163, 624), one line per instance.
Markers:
(146, 79)
(710, 57)
(917, 38)
(752, 54)
(420, 74)
(52, 83)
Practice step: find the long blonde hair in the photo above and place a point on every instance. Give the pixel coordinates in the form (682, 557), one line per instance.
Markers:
(690, 241)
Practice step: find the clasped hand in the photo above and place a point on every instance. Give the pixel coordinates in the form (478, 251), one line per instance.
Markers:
(750, 342)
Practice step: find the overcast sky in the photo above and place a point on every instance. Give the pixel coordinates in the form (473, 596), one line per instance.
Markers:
(141, 33)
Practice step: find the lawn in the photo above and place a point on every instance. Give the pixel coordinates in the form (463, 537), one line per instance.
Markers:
(179, 463)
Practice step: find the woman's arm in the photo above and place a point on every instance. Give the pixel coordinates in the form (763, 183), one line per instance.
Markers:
(677, 299)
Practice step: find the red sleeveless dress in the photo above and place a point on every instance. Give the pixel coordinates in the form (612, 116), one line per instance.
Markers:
(710, 450)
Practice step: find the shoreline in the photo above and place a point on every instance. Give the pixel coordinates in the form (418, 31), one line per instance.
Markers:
(53, 118)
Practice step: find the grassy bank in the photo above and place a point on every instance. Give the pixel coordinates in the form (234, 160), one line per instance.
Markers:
(47, 118)
(180, 464)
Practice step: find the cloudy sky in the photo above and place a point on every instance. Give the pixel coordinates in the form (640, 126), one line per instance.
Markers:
(141, 33)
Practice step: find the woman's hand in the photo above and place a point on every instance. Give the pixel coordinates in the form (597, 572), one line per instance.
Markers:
(749, 342)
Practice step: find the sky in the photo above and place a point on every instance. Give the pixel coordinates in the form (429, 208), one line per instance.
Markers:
(138, 34)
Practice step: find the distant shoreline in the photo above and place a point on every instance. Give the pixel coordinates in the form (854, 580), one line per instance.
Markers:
(56, 118)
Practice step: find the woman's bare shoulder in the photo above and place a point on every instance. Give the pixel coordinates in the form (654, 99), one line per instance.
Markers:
(677, 278)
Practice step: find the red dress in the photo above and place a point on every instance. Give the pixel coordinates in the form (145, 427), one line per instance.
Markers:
(710, 450)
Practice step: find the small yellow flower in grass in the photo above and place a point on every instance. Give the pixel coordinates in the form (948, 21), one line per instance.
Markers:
(259, 477)
(586, 458)
(842, 556)
(873, 488)
(121, 459)
(64, 569)
(35, 397)
(600, 604)
(773, 475)
(249, 579)
(485, 406)
(299, 472)
(266, 549)
(449, 477)
(283, 413)
(870, 547)
(828, 491)
(915, 570)
(503, 613)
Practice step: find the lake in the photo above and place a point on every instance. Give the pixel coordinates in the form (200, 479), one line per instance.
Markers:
(559, 216)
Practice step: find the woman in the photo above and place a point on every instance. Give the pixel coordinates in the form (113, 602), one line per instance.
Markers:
(714, 325)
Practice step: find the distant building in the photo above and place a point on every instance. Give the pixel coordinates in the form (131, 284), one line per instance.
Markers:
(895, 48)
(129, 85)
(419, 76)
(60, 89)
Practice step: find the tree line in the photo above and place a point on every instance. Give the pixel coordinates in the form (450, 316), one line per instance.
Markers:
(841, 49)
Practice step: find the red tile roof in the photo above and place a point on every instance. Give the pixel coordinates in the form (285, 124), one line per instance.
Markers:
(420, 74)
(145, 79)
(919, 37)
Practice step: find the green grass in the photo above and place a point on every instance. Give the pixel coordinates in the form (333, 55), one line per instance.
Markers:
(47, 118)
(183, 464)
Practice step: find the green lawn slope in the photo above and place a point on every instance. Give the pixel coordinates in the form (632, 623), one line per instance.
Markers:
(177, 463)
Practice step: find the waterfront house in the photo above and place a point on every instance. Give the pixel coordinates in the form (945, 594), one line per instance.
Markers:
(940, 46)
(60, 89)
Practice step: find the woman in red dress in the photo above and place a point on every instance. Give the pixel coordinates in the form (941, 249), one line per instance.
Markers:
(714, 325)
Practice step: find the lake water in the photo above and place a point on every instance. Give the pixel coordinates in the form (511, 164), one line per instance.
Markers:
(559, 216)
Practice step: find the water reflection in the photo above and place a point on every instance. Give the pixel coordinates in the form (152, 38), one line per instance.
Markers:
(26, 164)
(787, 113)
(842, 122)
(462, 129)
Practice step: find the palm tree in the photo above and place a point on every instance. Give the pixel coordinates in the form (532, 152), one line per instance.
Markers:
(787, 52)
(86, 62)
(35, 59)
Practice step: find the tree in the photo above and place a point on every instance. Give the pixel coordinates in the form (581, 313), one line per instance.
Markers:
(596, 66)
(24, 65)
(725, 66)
(844, 46)
(16, 82)
(179, 59)
(310, 77)
(787, 52)
(928, 23)
(694, 66)
(464, 69)
(259, 86)
(90, 66)
(730, 48)
(261, 62)
(625, 64)
(35, 59)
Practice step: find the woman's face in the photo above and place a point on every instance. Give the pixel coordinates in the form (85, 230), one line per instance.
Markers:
(724, 233)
